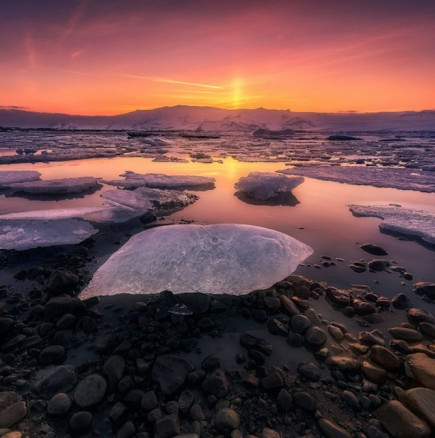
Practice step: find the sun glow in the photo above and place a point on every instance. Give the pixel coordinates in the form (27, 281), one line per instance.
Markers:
(237, 93)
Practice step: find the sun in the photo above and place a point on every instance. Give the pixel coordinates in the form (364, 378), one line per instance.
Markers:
(237, 92)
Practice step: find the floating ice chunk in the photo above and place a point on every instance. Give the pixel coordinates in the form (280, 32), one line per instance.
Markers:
(22, 234)
(57, 186)
(266, 185)
(161, 181)
(8, 177)
(396, 219)
(398, 178)
(130, 199)
(214, 259)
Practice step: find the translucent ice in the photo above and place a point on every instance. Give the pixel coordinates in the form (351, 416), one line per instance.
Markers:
(21, 234)
(57, 186)
(161, 181)
(216, 259)
(267, 185)
(8, 177)
(396, 219)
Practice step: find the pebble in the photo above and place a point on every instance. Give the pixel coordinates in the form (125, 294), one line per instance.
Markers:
(13, 414)
(331, 430)
(59, 404)
(227, 419)
(90, 391)
(80, 421)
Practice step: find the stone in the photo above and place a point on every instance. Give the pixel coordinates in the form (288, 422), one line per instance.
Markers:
(304, 400)
(285, 400)
(114, 368)
(315, 337)
(227, 419)
(401, 422)
(344, 363)
(422, 368)
(288, 305)
(216, 383)
(127, 430)
(53, 354)
(309, 370)
(340, 298)
(80, 421)
(427, 329)
(331, 430)
(58, 306)
(249, 341)
(373, 249)
(118, 414)
(406, 334)
(197, 302)
(374, 373)
(336, 332)
(90, 391)
(351, 399)
(59, 379)
(272, 381)
(59, 404)
(170, 372)
(185, 401)
(62, 281)
(422, 401)
(148, 401)
(196, 412)
(384, 357)
(13, 415)
(300, 323)
(167, 426)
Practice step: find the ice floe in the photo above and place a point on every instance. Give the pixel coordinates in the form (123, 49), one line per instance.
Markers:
(263, 186)
(161, 181)
(22, 234)
(396, 219)
(216, 259)
(8, 177)
(57, 186)
(398, 178)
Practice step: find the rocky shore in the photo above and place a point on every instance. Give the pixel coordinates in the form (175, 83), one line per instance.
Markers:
(299, 359)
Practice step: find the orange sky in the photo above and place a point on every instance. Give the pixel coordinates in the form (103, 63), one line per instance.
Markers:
(113, 56)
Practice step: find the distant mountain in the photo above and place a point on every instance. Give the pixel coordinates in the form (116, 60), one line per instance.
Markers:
(222, 120)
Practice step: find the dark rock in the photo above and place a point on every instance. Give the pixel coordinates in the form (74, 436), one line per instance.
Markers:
(285, 400)
(384, 357)
(149, 401)
(249, 341)
(227, 419)
(379, 265)
(418, 315)
(278, 326)
(300, 323)
(13, 415)
(167, 426)
(309, 370)
(427, 329)
(216, 383)
(351, 399)
(406, 334)
(341, 298)
(58, 306)
(67, 321)
(114, 368)
(62, 281)
(170, 372)
(426, 289)
(210, 363)
(288, 305)
(272, 381)
(80, 421)
(196, 412)
(118, 414)
(185, 401)
(53, 354)
(304, 400)
(127, 430)
(373, 249)
(401, 301)
(90, 391)
(59, 405)
(344, 363)
(315, 337)
(59, 379)
(332, 430)
(197, 302)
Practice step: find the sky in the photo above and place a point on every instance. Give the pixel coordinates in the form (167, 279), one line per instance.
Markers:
(115, 56)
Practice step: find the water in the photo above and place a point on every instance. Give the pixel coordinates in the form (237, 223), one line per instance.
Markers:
(321, 218)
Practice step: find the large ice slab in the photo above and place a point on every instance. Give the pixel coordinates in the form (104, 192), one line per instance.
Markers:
(398, 178)
(57, 186)
(267, 185)
(22, 234)
(8, 177)
(396, 219)
(216, 259)
(161, 181)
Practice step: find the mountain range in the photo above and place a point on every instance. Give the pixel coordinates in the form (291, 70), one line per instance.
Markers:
(209, 119)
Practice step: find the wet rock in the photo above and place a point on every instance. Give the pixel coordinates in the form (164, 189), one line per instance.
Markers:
(343, 363)
(300, 323)
(304, 400)
(272, 303)
(351, 399)
(272, 381)
(332, 430)
(401, 301)
(371, 338)
(196, 412)
(148, 401)
(216, 383)
(363, 307)
(384, 357)
(418, 315)
(249, 341)
(401, 422)
(185, 401)
(90, 391)
(6, 325)
(80, 421)
(58, 306)
(170, 372)
(59, 379)
(309, 370)
(288, 305)
(210, 363)
(406, 334)
(59, 404)
(270, 433)
(167, 426)
(358, 268)
(197, 302)
(336, 332)
(118, 414)
(278, 326)
(427, 329)
(422, 401)
(67, 321)
(373, 249)
(62, 281)
(127, 430)
(374, 373)
(422, 368)
(340, 298)
(378, 265)
(53, 354)
(285, 400)
(114, 368)
(13, 415)
(426, 289)
(227, 419)
(315, 337)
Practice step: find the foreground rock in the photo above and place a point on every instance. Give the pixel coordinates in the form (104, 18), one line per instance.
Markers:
(205, 258)
(422, 401)
(422, 368)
